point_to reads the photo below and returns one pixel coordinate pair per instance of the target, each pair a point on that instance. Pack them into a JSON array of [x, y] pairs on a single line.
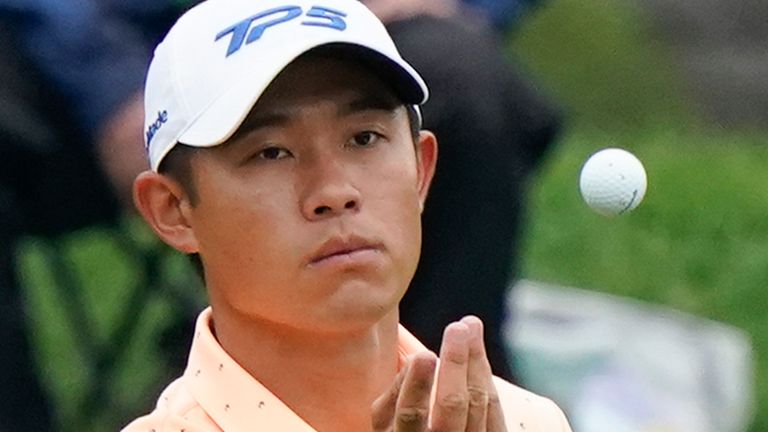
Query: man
[[285, 153]]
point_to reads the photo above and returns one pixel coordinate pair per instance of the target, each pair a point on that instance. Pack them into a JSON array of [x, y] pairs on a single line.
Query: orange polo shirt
[[216, 394]]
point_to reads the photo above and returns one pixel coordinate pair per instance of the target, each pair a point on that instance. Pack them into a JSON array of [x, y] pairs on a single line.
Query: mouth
[[345, 250]]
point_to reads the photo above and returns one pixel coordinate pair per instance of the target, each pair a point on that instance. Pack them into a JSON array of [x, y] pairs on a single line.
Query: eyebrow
[[368, 102]]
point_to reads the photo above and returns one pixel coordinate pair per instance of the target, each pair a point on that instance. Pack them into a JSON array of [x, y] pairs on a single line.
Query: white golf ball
[[613, 182]]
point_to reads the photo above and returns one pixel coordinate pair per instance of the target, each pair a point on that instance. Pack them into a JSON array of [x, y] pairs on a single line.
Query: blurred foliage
[[103, 303], [599, 58]]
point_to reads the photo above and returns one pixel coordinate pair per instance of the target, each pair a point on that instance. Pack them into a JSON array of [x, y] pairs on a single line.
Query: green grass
[[697, 243]]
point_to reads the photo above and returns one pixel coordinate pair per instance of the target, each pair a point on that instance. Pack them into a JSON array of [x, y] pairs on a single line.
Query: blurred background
[[683, 85]]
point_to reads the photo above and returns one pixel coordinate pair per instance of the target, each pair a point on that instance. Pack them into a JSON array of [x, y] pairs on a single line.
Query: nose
[[329, 192]]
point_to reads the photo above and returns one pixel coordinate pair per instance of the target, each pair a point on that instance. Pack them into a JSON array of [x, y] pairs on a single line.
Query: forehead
[[316, 81], [322, 74]]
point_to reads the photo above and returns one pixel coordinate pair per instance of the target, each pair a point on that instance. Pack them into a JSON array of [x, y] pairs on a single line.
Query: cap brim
[[219, 121]]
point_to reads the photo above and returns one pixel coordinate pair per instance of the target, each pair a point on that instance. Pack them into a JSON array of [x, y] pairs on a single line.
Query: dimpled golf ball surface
[[613, 182]]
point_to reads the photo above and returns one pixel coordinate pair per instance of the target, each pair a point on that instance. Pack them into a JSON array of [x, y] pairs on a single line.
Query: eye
[[365, 139], [273, 153]]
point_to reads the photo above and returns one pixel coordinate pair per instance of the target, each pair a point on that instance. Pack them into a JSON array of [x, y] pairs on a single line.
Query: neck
[[346, 371]]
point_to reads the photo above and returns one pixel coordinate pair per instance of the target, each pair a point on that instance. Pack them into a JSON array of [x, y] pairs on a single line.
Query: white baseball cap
[[220, 56]]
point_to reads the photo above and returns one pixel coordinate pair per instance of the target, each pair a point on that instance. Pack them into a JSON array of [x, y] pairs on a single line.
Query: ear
[[165, 206], [426, 160]]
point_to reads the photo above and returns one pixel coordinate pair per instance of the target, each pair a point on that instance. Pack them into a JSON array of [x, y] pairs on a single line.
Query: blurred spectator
[[492, 124], [49, 184], [66, 70]]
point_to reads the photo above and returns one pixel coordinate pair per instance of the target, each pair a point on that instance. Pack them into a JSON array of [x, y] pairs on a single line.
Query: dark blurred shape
[[56, 182], [493, 127]]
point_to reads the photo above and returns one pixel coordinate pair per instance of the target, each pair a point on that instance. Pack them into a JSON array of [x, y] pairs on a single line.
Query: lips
[[339, 247]]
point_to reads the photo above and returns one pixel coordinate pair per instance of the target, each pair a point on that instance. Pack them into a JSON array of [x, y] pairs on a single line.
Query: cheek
[[239, 226], [249, 255], [400, 209]]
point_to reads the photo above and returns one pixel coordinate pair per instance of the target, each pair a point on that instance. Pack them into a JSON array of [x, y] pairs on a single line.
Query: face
[[310, 215]]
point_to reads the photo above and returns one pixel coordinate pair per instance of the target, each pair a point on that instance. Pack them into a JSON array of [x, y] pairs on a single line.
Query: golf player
[[287, 158]]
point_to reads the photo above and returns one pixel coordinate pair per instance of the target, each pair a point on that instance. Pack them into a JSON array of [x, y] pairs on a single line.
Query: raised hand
[[465, 398]]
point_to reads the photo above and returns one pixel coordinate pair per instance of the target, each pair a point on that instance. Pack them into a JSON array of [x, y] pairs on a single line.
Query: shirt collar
[[237, 401]]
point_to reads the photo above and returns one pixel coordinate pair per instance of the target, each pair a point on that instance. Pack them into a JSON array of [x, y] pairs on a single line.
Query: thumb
[[383, 408]]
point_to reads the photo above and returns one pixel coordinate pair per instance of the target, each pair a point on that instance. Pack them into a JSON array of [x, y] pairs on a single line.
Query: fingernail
[[474, 323], [472, 320]]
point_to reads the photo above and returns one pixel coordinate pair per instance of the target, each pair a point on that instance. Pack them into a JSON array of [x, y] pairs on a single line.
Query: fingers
[[405, 406], [465, 398], [485, 411], [412, 408], [452, 398], [478, 376]]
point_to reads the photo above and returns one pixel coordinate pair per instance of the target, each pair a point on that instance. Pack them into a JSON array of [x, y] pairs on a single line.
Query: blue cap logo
[[317, 16]]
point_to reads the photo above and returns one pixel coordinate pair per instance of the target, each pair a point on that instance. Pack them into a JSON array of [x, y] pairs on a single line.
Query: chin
[[356, 303]]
